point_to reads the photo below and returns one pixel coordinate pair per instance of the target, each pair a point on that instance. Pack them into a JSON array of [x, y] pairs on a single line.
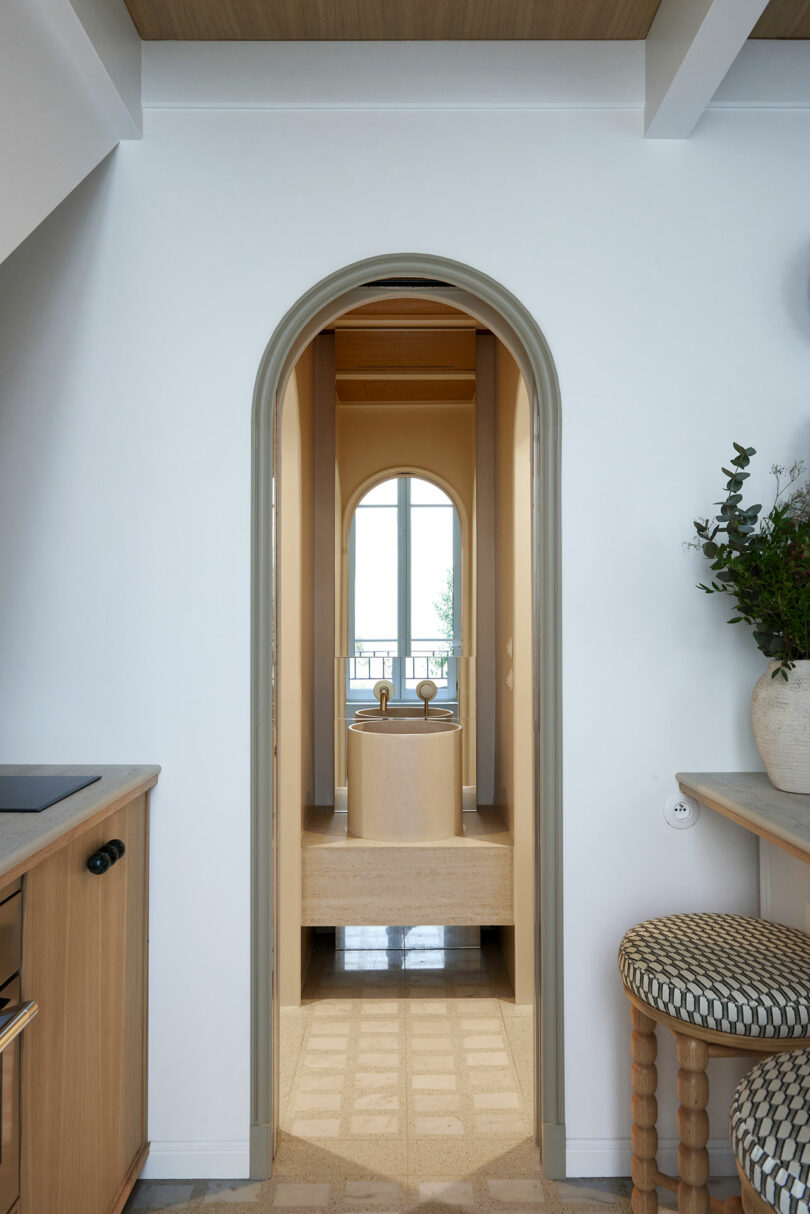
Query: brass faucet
[[426, 690], [383, 690]]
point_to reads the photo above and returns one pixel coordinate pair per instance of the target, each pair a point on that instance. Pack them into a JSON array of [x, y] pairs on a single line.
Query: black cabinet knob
[[99, 862], [103, 859]]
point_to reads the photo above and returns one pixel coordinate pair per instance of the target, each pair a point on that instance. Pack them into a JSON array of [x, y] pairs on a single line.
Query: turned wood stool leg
[[693, 1125], [645, 1114]]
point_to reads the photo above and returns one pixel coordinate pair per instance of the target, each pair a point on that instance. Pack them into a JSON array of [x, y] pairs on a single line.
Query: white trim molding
[[591, 1157], [472, 76], [200, 1160]]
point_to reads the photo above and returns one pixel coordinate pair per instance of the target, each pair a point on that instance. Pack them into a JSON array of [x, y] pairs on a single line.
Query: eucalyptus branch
[[763, 563]]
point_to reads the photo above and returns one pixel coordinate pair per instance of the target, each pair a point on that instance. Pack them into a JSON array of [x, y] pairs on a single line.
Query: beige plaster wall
[[295, 669], [513, 674]]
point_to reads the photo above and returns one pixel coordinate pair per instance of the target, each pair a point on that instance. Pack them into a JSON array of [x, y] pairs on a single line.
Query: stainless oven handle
[[20, 1017]]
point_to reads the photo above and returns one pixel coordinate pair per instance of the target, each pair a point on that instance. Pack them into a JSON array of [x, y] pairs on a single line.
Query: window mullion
[[404, 578]]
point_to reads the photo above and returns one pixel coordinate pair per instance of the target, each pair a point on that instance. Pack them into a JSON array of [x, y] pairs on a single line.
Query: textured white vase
[[780, 715]]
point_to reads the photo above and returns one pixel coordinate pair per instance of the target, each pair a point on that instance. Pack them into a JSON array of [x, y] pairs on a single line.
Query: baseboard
[[229, 1160], [611, 1157]]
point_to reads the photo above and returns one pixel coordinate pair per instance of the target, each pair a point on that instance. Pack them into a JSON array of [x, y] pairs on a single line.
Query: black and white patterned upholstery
[[770, 1130], [729, 973]]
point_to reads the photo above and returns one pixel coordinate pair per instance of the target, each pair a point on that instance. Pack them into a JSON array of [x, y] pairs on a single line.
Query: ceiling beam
[[98, 38], [690, 47]]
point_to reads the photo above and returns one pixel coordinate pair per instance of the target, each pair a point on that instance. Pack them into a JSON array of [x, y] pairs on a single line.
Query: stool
[[770, 1134], [727, 986]]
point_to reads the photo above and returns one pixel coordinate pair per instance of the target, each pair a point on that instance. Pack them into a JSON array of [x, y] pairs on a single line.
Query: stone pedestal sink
[[404, 776]]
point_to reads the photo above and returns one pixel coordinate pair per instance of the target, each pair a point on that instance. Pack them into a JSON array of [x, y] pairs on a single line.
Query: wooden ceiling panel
[[392, 352], [391, 20], [784, 19], [412, 391]]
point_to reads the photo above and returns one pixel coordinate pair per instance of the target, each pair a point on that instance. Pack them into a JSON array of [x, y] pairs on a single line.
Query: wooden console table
[[749, 799]]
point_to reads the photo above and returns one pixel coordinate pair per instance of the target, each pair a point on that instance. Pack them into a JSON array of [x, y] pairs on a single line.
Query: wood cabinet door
[[84, 1056]]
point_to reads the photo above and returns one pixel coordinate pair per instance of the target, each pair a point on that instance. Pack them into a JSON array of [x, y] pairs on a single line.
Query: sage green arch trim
[[503, 313]]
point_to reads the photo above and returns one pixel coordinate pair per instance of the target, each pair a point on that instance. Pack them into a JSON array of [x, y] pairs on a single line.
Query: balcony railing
[[431, 660]]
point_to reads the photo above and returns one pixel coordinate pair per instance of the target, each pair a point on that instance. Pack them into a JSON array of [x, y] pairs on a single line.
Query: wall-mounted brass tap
[[426, 690], [383, 690]]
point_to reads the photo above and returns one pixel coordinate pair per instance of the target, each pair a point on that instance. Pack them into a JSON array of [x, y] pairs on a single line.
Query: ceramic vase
[[780, 715]]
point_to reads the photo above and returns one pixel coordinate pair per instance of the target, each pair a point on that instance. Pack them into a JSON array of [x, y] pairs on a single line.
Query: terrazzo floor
[[405, 1086]]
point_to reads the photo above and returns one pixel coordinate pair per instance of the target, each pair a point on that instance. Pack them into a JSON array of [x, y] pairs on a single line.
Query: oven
[[14, 1016]]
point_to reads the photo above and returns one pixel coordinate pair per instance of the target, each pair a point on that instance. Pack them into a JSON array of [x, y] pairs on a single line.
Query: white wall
[[671, 282]]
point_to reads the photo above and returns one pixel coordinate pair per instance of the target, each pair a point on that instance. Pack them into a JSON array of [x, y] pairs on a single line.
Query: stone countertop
[[26, 838], [327, 827], [749, 799]]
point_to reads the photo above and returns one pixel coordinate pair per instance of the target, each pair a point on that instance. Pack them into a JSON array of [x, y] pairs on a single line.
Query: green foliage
[[443, 606], [763, 563]]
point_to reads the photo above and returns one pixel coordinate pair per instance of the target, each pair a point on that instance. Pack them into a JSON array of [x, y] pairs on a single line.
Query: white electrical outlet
[[681, 812]]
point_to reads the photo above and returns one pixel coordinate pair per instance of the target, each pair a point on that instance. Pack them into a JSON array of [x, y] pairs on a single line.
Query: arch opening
[[494, 307]]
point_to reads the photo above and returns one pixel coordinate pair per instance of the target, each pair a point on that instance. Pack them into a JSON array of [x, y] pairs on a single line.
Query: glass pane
[[384, 494], [425, 494], [431, 577], [375, 577]]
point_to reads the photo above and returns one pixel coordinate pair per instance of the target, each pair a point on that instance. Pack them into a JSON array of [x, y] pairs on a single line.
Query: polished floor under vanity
[[410, 1063]]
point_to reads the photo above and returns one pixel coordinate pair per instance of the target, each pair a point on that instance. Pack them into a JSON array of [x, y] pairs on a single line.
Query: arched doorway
[[435, 278]]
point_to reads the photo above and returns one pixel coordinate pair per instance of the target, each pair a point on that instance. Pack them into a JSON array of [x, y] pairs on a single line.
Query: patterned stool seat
[[729, 973], [770, 1131]]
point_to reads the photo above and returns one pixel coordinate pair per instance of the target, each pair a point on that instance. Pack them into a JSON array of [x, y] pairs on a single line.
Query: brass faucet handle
[[383, 690], [426, 690]]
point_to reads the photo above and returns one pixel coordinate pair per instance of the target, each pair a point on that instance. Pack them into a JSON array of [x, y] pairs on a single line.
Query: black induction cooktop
[[32, 794]]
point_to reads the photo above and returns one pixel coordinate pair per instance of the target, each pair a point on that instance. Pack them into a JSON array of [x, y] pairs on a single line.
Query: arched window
[[404, 590]]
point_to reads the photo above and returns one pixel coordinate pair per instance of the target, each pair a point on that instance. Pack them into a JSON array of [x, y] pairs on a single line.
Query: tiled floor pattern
[[406, 1086]]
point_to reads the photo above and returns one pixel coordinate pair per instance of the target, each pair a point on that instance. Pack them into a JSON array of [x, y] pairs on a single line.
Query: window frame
[[397, 674]]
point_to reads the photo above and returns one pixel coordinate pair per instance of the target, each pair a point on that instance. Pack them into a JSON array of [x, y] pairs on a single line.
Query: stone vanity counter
[[28, 838], [456, 881]]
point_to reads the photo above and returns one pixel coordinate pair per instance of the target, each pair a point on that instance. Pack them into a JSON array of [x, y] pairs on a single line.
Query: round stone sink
[[403, 712], [404, 778]]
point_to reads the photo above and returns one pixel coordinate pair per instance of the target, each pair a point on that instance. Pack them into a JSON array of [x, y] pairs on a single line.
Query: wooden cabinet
[[83, 1127]]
